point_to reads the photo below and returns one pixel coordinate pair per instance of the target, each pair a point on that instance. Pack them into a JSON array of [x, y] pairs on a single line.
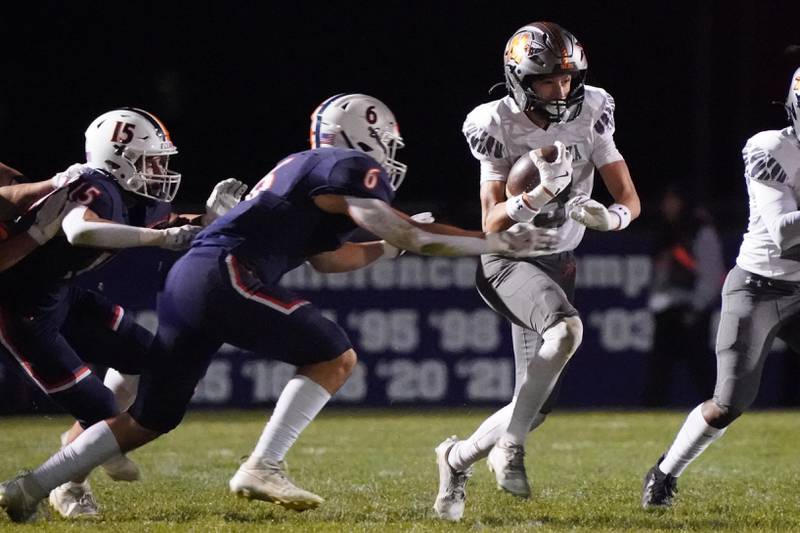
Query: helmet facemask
[[389, 142], [152, 177], [553, 110]]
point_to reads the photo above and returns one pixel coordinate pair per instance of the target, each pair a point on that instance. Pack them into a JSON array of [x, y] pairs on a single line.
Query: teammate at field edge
[[761, 296], [548, 103]]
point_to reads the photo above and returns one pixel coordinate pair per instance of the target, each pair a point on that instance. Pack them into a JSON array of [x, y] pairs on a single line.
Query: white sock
[[477, 446], [300, 401], [74, 462], [540, 378], [466, 452], [692, 439]]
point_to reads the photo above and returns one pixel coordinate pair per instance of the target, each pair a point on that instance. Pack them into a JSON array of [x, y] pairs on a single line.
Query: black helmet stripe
[[160, 131]]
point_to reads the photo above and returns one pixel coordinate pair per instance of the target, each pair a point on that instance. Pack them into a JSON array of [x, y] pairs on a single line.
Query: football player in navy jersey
[[225, 290], [52, 327]]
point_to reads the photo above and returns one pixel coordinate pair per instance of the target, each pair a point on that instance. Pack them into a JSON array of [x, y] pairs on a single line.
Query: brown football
[[524, 175]]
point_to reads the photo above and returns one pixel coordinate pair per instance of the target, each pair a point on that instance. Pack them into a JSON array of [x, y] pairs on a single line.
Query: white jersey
[[498, 133], [772, 172]]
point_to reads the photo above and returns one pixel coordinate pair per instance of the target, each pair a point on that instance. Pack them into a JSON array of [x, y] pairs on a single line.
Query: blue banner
[[425, 338]]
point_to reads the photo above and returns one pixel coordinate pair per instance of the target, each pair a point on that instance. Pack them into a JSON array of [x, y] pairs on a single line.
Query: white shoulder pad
[[483, 132], [772, 155], [600, 106]]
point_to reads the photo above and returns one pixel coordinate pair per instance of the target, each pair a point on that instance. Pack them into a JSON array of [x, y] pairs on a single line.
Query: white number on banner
[[380, 331], [460, 330], [620, 329], [268, 378], [487, 379], [355, 389], [409, 380]]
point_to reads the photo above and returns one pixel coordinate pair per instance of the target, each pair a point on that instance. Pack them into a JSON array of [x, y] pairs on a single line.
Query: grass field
[[377, 471]]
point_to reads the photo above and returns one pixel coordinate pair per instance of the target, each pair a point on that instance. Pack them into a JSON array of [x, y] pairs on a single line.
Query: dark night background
[[236, 82]]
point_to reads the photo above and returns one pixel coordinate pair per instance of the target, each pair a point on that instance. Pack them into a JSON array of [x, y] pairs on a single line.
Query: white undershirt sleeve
[[82, 232], [494, 170]]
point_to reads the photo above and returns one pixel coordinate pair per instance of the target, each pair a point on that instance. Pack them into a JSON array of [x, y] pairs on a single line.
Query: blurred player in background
[[225, 289], [548, 103], [761, 295], [688, 270], [50, 326]]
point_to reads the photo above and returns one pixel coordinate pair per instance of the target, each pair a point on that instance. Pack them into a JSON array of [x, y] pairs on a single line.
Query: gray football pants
[[754, 309], [533, 294]]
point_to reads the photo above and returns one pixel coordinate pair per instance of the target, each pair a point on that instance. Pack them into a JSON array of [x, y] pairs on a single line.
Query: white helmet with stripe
[[360, 122], [134, 146]]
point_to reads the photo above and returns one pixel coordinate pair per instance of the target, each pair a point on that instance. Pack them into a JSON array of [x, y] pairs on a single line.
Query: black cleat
[[658, 488]]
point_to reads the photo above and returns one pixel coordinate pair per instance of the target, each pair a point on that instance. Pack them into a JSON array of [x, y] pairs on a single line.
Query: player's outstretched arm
[[352, 255], [377, 217], [83, 227]]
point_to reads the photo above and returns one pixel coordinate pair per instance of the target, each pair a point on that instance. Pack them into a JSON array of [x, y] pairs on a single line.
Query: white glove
[[523, 240], [591, 213], [65, 177], [555, 176], [51, 211], [224, 197], [391, 251], [180, 237]]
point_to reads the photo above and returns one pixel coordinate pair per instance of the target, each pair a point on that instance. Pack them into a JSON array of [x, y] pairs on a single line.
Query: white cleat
[[122, 468], [507, 461], [17, 502], [267, 481], [74, 500], [452, 496]]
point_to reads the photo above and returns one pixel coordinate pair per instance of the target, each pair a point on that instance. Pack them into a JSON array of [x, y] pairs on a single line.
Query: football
[[524, 175]]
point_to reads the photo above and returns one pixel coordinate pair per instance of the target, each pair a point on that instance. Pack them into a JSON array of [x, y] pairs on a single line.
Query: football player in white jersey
[[760, 297], [548, 103]]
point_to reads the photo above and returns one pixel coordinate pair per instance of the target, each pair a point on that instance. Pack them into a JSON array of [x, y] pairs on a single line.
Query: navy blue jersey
[[279, 226], [57, 259]]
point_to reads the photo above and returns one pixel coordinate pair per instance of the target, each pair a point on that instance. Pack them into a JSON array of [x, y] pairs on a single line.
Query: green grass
[[377, 471]]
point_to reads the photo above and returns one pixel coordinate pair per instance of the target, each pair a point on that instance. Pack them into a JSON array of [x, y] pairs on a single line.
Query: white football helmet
[[360, 122], [793, 103], [134, 146]]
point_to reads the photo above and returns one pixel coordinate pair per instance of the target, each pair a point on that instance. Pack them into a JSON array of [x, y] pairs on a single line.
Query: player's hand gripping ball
[[524, 175]]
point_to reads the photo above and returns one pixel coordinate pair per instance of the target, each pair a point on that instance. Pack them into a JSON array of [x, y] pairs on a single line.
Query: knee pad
[[566, 335]]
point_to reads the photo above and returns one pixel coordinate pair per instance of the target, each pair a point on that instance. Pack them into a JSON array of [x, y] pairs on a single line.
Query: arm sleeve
[[379, 218], [109, 235], [494, 170]]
